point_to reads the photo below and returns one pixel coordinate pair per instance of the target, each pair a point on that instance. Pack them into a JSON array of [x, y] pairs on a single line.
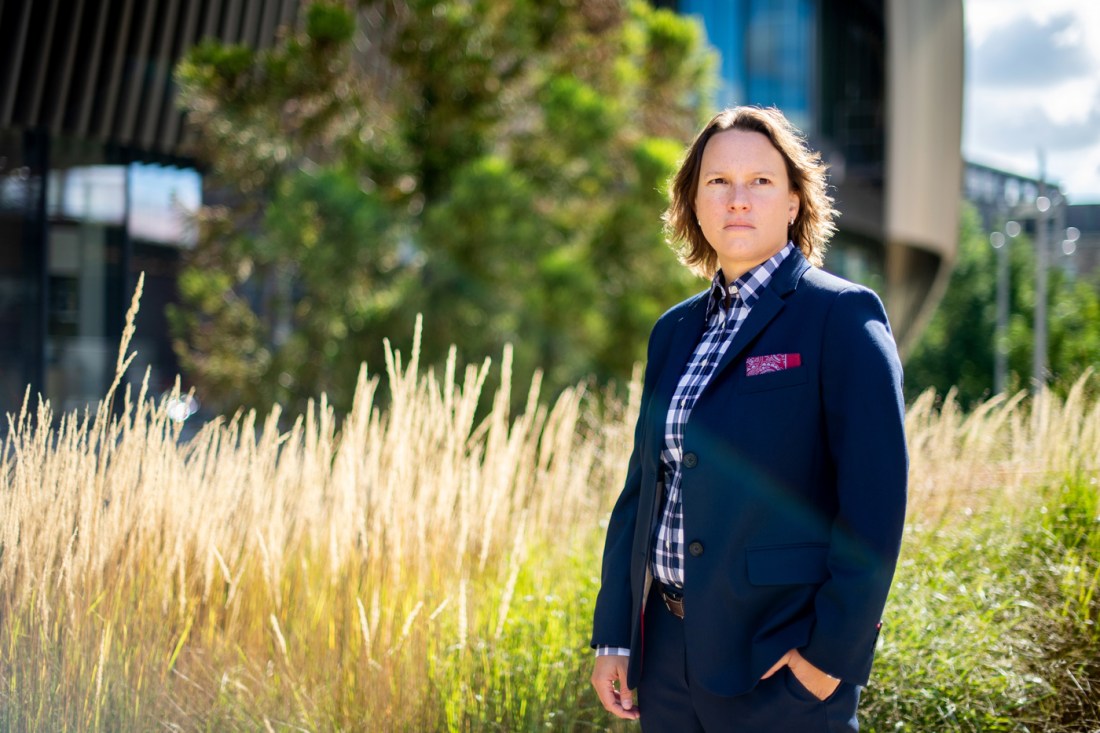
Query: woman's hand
[[820, 684], [619, 700]]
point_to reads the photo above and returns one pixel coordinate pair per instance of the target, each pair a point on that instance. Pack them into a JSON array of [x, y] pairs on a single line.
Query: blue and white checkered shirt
[[727, 309]]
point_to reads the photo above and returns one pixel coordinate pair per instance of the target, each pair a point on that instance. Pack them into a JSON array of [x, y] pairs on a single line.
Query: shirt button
[[696, 549], [690, 460], [734, 290]]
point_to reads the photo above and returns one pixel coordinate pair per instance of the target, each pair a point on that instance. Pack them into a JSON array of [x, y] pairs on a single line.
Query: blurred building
[[1001, 197], [877, 85], [1085, 251], [95, 186]]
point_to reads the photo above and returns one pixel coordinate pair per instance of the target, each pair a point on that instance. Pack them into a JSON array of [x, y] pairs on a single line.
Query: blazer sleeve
[[864, 415], [612, 616]]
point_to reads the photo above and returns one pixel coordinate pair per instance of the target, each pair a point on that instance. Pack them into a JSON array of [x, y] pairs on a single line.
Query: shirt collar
[[748, 287]]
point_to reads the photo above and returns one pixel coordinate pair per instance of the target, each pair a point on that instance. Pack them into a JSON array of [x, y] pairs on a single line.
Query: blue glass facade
[[781, 48], [725, 21], [767, 50], [79, 222]]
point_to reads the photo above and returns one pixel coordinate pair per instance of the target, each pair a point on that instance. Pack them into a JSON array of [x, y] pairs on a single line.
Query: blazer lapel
[[771, 302], [686, 333]]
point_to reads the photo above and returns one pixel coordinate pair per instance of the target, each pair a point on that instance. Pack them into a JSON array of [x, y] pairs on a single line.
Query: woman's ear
[[792, 208]]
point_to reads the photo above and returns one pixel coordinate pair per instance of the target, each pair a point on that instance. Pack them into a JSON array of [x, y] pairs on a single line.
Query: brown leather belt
[[673, 598]]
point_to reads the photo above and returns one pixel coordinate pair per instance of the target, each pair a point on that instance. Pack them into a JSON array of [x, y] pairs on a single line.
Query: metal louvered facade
[[102, 69], [94, 171]]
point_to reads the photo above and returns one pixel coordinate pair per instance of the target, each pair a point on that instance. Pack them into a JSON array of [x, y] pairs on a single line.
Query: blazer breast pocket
[[802, 564], [774, 380]]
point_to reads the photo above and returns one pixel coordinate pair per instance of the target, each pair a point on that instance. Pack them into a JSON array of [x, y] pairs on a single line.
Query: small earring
[[791, 222]]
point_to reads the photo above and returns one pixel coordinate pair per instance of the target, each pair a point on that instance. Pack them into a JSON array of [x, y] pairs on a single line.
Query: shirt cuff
[[606, 651]]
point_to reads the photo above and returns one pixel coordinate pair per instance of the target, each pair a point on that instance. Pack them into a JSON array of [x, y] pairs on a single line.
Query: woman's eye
[[717, 181], [762, 181]]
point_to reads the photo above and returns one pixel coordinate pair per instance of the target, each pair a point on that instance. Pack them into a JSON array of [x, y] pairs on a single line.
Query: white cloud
[[1033, 83], [1004, 124], [1027, 52]]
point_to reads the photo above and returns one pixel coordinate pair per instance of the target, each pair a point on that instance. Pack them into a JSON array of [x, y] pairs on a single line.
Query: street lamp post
[[1000, 338], [1039, 353], [1000, 355], [1043, 210]]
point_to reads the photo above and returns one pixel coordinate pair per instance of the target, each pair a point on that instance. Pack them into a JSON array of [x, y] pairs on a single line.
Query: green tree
[[956, 350], [498, 167]]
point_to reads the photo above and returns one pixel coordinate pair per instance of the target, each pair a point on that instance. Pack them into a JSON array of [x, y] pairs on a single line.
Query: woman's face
[[743, 200]]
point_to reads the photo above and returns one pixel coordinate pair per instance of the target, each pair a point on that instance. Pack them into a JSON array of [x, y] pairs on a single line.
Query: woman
[[749, 556]]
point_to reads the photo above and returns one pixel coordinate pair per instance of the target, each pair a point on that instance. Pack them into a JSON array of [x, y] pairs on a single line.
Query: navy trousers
[[669, 702]]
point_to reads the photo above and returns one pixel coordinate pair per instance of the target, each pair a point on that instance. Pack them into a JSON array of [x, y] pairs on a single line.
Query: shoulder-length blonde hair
[[813, 225]]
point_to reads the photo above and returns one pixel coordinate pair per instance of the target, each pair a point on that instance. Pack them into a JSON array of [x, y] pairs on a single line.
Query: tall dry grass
[[424, 566], [299, 570], [1001, 451]]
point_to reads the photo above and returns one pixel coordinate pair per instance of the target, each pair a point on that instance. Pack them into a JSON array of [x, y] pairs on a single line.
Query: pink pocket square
[[757, 365]]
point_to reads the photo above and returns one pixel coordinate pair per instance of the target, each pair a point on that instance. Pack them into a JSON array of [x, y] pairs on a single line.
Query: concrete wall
[[923, 159]]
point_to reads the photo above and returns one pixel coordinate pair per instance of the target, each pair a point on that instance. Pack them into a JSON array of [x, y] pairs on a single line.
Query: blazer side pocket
[[788, 564]]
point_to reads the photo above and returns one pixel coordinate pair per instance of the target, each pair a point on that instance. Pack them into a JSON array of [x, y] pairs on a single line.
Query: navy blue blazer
[[795, 494]]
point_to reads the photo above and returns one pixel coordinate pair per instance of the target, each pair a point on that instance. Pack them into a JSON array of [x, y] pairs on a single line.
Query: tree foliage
[[497, 167], [957, 348]]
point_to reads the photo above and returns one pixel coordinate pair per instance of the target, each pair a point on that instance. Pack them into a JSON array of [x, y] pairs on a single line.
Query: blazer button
[[690, 460], [696, 549]]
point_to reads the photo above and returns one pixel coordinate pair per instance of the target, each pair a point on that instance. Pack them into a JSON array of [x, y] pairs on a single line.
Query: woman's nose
[[738, 197]]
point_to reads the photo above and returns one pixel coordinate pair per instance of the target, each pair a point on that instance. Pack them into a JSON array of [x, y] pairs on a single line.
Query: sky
[[1033, 82]]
